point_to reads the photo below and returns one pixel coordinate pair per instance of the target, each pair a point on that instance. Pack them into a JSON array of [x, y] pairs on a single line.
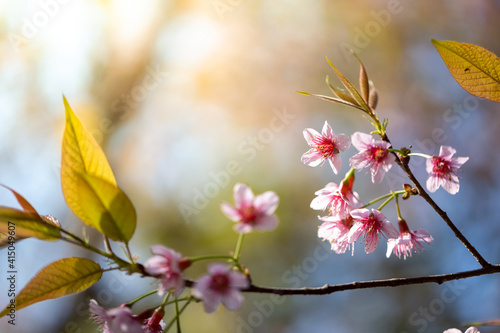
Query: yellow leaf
[[80, 155], [63, 277], [476, 69], [104, 206], [25, 224], [89, 186]]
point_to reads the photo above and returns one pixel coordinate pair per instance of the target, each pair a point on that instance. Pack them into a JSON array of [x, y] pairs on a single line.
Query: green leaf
[[63, 277], [26, 224], [104, 206], [476, 69], [89, 186]]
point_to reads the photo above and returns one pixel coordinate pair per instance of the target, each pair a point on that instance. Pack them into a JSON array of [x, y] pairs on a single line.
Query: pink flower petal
[[343, 142], [327, 131], [266, 203], [243, 196], [233, 300], [310, 135], [361, 141], [312, 158], [335, 163], [266, 222], [231, 213]]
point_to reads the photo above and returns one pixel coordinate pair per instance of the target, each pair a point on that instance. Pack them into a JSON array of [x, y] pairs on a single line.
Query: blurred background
[[188, 98]]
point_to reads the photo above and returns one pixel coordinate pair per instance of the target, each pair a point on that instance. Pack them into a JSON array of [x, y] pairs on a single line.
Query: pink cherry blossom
[[373, 154], [117, 320], [340, 200], [471, 329], [443, 169], [407, 241], [371, 224], [220, 285], [250, 211], [325, 146], [166, 265], [336, 230]]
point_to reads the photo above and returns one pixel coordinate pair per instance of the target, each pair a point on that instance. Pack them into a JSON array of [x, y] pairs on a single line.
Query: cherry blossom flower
[[471, 329], [336, 230], [407, 241], [373, 154], [251, 212], [220, 285], [325, 146], [168, 266], [117, 320], [340, 200], [442, 170], [371, 225]]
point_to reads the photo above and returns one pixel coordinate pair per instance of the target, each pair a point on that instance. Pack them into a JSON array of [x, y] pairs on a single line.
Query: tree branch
[[394, 282]]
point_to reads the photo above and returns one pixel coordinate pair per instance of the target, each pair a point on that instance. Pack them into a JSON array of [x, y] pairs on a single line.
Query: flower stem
[[236, 255], [397, 208], [211, 257], [383, 197], [178, 313], [177, 316], [132, 302]]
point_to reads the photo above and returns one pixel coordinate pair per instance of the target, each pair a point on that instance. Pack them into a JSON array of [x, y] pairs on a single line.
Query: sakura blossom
[[220, 285], [251, 212], [324, 146], [407, 241], [336, 230], [373, 154], [340, 200], [371, 224], [166, 265], [443, 169], [471, 329], [117, 320]]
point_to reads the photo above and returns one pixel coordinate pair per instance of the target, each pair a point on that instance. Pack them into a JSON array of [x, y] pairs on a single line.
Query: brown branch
[[394, 282]]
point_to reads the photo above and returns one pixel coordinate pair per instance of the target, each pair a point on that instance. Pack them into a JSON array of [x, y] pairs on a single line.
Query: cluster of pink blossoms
[[346, 221], [221, 285], [377, 156]]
